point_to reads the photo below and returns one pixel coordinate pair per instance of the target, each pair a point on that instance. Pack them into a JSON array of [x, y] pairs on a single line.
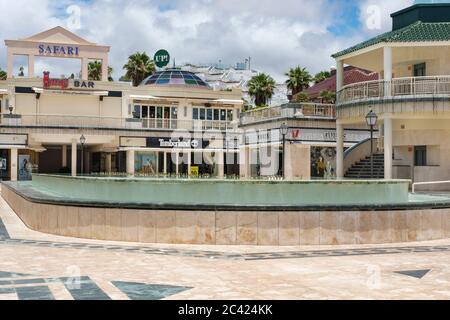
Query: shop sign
[[81, 84], [57, 50], [162, 58], [54, 83], [194, 171], [171, 143], [13, 139], [323, 135]]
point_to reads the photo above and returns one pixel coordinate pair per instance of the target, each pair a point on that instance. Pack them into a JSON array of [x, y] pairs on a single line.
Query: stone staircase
[[361, 170]]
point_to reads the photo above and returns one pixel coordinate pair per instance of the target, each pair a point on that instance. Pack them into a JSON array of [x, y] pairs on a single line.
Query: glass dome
[[174, 77]]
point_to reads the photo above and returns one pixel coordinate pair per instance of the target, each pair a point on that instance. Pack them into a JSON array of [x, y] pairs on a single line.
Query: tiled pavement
[[40, 266]]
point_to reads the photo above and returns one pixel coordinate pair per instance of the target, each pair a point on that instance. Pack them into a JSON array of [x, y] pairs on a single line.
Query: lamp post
[[284, 131], [371, 120], [82, 141]]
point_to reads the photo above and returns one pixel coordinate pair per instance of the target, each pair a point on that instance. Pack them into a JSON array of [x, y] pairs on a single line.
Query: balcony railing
[[399, 87], [290, 110], [69, 121]]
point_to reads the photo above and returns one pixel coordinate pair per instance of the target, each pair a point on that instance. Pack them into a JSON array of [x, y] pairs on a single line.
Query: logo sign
[[162, 58], [54, 83], [56, 50], [81, 84], [180, 143]]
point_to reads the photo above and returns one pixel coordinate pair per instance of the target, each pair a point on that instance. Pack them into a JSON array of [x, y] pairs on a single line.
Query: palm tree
[[322, 75], [3, 75], [298, 80], [261, 87], [95, 71], [328, 96], [301, 97], [139, 67]]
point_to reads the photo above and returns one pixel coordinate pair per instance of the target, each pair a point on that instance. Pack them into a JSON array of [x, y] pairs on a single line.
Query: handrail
[[405, 86], [289, 110], [83, 121], [427, 183], [356, 146]]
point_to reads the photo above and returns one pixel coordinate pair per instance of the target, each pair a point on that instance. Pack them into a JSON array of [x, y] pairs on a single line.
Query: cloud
[[276, 34]]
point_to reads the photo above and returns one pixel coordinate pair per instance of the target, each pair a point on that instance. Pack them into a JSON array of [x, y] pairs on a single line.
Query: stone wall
[[232, 228]]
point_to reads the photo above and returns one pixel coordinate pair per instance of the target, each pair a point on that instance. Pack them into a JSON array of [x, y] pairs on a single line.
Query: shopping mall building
[[412, 99], [173, 123]]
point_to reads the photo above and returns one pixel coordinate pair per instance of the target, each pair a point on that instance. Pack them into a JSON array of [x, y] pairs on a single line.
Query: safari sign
[[162, 58]]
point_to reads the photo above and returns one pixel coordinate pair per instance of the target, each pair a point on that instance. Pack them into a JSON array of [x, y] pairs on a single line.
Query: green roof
[[416, 32]]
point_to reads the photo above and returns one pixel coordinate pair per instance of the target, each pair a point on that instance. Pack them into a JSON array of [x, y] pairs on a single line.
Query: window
[[230, 115], [209, 114], [216, 114], [420, 70], [223, 115], [202, 114], [420, 156], [137, 112], [144, 112], [195, 114]]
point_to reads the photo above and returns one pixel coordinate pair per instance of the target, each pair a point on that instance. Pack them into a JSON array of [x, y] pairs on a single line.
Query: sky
[[276, 34]]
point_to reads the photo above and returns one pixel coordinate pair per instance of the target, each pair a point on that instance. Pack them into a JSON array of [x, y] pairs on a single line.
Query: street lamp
[[371, 120], [82, 141], [284, 131]]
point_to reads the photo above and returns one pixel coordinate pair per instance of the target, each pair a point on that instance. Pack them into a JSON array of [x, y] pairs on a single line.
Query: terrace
[[289, 111]]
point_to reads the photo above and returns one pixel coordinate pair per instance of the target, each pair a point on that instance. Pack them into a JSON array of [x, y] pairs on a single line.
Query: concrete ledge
[[275, 228]]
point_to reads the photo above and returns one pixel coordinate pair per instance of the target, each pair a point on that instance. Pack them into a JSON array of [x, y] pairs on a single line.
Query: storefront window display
[[323, 162], [146, 163]]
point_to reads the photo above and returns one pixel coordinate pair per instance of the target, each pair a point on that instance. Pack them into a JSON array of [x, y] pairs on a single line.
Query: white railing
[[399, 87], [290, 110], [69, 121], [417, 184]]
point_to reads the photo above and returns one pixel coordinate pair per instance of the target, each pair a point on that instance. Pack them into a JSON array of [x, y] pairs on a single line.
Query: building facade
[[411, 99], [173, 123]]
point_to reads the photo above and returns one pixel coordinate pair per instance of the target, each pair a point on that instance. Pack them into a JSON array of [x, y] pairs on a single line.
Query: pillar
[[30, 66], [221, 164], [10, 65], [84, 69], [387, 62], [74, 158], [64, 156], [130, 162], [339, 75], [108, 163], [14, 156], [340, 151], [243, 162], [388, 147], [105, 69], [165, 162]]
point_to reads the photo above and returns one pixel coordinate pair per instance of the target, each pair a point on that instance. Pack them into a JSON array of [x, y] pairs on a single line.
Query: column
[[105, 69], [74, 158], [243, 162], [14, 155], [108, 163], [339, 75], [189, 160], [64, 156], [340, 151], [10, 65], [387, 57], [388, 147], [221, 164], [177, 161], [130, 162], [84, 69], [30, 66], [165, 162]]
